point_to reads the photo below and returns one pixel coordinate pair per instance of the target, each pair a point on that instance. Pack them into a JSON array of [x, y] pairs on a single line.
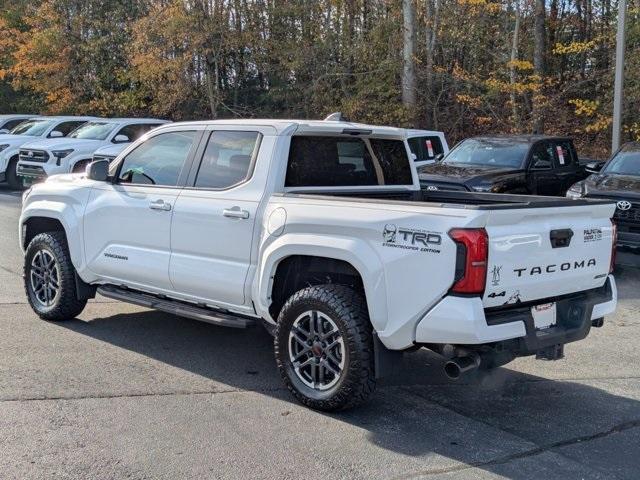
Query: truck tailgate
[[541, 253]]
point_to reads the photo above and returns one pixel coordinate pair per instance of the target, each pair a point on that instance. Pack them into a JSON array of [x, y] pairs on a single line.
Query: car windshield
[[93, 131], [626, 162], [488, 152], [35, 128]]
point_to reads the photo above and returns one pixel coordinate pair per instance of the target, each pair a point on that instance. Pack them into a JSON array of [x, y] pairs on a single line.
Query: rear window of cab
[[325, 161]]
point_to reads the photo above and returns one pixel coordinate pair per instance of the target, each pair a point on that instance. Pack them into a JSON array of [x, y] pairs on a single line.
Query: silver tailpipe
[[457, 366]]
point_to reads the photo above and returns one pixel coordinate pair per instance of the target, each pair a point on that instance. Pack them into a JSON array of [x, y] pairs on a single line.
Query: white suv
[[72, 154], [27, 131]]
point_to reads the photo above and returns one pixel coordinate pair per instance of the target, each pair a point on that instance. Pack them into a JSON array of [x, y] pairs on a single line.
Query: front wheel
[[13, 180], [49, 278], [324, 347]]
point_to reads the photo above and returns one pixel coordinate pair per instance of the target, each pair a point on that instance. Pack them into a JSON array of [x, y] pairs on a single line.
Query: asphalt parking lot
[[124, 392]]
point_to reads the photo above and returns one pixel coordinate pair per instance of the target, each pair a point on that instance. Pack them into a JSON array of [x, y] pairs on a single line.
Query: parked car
[[28, 131], [427, 145], [617, 180], [9, 121], [521, 164], [321, 231], [41, 159]]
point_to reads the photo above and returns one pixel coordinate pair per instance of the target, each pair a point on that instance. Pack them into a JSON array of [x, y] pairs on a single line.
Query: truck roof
[[289, 127]]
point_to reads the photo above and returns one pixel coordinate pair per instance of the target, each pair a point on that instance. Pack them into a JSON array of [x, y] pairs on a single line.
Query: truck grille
[[34, 156], [631, 215]]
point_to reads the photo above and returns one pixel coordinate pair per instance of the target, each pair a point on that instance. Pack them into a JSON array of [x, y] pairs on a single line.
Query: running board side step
[[176, 307]]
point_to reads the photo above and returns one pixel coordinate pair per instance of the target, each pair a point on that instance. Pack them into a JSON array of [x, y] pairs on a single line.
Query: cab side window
[[135, 131], [563, 154], [67, 127], [227, 159], [159, 160], [425, 148], [542, 156], [10, 124]]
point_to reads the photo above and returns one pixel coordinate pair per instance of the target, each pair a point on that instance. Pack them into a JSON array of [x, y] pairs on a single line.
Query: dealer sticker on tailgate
[[544, 316]]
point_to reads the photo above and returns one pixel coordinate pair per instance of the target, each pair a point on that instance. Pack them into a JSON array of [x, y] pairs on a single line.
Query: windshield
[[93, 131], [626, 162], [493, 152], [35, 128]]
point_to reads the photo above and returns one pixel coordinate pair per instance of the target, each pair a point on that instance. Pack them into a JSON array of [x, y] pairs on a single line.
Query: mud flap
[[385, 361]]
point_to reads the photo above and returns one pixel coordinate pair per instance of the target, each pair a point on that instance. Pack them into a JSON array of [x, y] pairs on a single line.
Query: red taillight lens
[[471, 268], [614, 239]]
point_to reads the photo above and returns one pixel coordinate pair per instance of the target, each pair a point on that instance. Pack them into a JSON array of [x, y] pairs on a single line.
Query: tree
[[409, 83]]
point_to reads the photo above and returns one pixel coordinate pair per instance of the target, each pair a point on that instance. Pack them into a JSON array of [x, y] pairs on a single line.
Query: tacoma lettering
[[552, 268]]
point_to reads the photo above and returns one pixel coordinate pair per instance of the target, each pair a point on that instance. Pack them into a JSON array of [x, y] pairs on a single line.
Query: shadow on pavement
[[407, 415]]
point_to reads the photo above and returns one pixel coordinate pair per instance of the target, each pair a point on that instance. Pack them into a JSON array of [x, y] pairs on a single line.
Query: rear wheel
[[49, 278], [324, 347], [13, 180]]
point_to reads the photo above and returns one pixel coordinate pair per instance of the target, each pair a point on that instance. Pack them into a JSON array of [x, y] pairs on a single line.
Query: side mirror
[[594, 167], [98, 170], [438, 157], [121, 139], [4, 130], [56, 134]]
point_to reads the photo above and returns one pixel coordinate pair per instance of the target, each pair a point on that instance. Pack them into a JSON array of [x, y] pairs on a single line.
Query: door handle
[[160, 205], [235, 212]]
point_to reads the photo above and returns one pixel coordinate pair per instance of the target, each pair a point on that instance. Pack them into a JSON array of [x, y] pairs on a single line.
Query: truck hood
[[15, 140], [613, 186], [441, 172], [111, 150], [65, 143]]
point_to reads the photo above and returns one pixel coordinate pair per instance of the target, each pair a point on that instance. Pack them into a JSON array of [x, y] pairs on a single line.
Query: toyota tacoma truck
[[320, 231], [520, 164]]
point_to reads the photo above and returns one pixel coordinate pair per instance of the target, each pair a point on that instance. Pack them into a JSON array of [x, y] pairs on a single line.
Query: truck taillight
[[471, 264], [614, 240]]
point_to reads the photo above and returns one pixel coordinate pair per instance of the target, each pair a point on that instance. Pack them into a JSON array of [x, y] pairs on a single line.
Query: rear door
[[215, 216], [540, 253]]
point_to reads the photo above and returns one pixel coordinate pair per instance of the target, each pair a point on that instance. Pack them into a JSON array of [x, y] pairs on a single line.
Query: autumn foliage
[[185, 59]]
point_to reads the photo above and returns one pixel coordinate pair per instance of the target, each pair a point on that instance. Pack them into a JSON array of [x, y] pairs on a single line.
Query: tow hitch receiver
[[553, 352]]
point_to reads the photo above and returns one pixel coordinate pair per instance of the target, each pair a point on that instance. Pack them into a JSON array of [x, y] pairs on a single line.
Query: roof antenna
[[336, 117]]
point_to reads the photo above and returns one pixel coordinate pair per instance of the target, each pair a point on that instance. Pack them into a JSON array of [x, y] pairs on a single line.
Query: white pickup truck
[[320, 231]]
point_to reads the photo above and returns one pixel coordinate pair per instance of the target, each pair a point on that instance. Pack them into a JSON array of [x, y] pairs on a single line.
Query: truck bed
[[456, 199]]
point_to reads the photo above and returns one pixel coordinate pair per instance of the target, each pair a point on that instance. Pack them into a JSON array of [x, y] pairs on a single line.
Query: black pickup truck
[[523, 164], [617, 180]]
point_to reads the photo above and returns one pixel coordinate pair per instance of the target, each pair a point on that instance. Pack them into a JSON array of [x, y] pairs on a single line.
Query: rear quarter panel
[[402, 252]]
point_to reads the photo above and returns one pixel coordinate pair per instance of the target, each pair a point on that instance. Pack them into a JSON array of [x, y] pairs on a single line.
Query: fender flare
[[366, 262], [67, 218]]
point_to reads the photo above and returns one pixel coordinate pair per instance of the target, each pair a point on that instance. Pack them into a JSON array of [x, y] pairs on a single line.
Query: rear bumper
[[464, 321]]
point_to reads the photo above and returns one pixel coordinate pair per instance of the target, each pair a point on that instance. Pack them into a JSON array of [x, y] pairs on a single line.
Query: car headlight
[[485, 188], [577, 190], [4, 146], [61, 153]]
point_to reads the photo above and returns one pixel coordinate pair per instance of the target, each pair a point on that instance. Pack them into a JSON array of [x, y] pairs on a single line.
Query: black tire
[[13, 180], [347, 310], [65, 304]]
